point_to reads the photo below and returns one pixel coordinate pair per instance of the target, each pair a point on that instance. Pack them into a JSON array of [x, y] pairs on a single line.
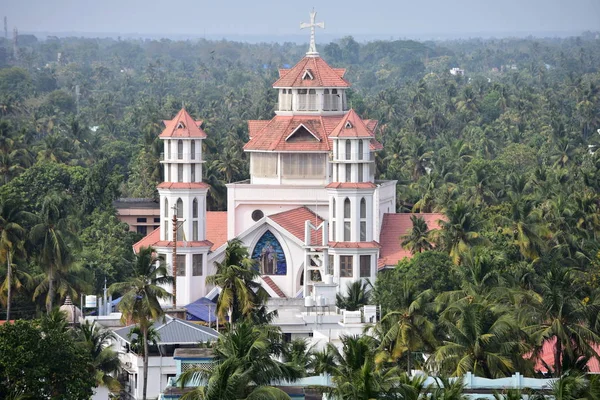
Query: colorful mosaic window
[[269, 255]]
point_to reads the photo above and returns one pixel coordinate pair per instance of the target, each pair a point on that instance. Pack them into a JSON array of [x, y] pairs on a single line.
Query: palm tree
[[95, 341], [357, 295], [417, 239], [245, 364], [141, 295], [480, 338], [459, 232], [560, 315], [407, 329], [235, 276], [12, 236], [52, 236]]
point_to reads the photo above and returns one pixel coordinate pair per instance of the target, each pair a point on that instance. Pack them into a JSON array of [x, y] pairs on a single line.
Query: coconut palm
[[12, 236], [141, 294], [408, 329], [459, 232], [245, 364], [417, 238], [52, 236], [95, 341], [235, 276], [357, 295]]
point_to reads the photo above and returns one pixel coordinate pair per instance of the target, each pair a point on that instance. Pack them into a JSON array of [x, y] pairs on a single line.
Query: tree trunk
[[9, 291], [145, 363], [557, 360], [51, 291], [408, 366]]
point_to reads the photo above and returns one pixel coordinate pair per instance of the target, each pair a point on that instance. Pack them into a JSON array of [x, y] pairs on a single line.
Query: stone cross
[[312, 50]]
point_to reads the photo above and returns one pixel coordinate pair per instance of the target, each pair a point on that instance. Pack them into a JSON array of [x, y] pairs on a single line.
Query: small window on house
[[307, 75], [142, 229], [166, 213], [347, 208], [348, 173], [360, 149], [348, 125], [193, 150], [180, 149], [156, 219], [179, 208], [180, 125], [180, 264], [179, 172], [195, 208], [197, 265], [330, 265], [195, 231], [346, 266], [347, 231], [333, 208], [365, 266], [193, 173], [257, 215], [348, 149], [363, 208], [141, 220]]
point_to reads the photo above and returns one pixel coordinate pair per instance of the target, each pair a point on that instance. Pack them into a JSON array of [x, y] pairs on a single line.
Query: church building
[[312, 214]]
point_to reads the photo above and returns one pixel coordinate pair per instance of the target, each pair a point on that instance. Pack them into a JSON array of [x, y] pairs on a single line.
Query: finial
[[312, 50]]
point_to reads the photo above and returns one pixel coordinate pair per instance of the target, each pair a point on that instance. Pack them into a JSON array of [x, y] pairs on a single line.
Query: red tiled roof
[[273, 286], [183, 185], [354, 245], [546, 357], [395, 225], [293, 222], [2, 322], [323, 75], [216, 234], [351, 185], [183, 126], [351, 126], [271, 135], [216, 228], [371, 124]]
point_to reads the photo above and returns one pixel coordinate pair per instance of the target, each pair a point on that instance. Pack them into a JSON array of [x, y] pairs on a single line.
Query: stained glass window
[[269, 255]]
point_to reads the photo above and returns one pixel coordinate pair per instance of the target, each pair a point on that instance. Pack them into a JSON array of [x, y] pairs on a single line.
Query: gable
[[302, 134]]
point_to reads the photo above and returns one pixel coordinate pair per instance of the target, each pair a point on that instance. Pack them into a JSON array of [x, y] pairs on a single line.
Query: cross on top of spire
[[312, 50]]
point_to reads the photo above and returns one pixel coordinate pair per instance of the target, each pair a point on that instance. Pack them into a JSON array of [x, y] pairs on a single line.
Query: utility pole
[[174, 261], [16, 43]]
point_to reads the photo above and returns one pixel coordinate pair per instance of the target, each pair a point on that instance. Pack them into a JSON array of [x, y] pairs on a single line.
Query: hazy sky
[[279, 17]]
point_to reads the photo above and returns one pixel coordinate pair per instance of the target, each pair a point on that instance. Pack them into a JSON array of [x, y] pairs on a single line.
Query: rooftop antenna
[[312, 50]]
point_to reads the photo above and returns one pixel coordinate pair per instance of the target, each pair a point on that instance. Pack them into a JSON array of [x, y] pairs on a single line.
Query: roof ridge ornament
[[312, 50]]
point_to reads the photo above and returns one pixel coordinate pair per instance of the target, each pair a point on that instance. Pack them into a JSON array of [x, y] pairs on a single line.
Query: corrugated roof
[[322, 75], [175, 331], [202, 309], [393, 227]]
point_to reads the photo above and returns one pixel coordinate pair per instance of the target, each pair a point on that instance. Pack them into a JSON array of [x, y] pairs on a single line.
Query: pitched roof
[[202, 309], [274, 135], [216, 234], [273, 286], [183, 185], [322, 75], [293, 222], [183, 126], [175, 331], [395, 225], [546, 358], [351, 126]]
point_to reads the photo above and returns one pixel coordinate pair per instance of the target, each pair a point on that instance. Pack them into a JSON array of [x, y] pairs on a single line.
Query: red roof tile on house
[[395, 225], [274, 135], [351, 126], [293, 222], [354, 245], [216, 228], [2, 322], [351, 185], [216, 234], [322, 75], [273, 285], [183, 185], [183, 126], [546, 357]]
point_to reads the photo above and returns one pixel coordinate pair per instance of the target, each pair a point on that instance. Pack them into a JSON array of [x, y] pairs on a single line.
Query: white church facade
[[312, 214]]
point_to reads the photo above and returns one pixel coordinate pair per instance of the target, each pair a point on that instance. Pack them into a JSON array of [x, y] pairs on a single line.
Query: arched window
[[269, 255], [348, 149], [360, 149], [195, 210], [195, 220], [333, 211], [166, 213], [348, 173], [180, 149], [179, 208], [169, 155], [347, 208], [193, 150], [347, 223], [335, 99], [363, 220], [326, 100]]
